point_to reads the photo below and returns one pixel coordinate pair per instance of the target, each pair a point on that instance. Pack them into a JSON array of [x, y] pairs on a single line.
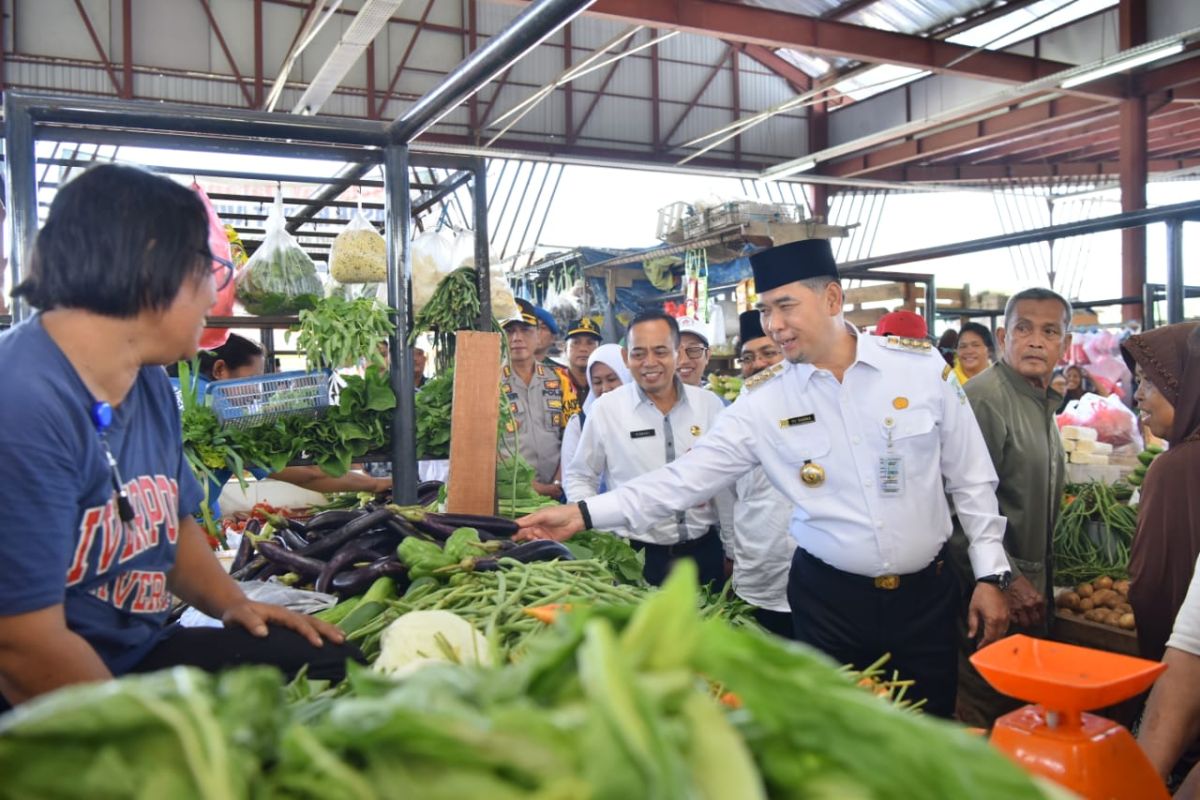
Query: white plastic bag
[[279, 278], [431, 258], [359, 253], [504, 305]]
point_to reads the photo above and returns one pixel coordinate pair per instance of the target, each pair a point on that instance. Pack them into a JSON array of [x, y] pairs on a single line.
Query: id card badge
[[891, 476]]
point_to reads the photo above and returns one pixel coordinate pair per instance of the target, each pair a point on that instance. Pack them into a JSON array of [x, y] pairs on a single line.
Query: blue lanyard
[[102, 418]]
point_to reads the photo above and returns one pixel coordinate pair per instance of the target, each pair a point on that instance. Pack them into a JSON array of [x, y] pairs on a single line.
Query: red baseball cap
[[902, 323]]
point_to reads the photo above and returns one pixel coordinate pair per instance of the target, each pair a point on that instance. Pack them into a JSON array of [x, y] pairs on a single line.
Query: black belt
[[887, 583]]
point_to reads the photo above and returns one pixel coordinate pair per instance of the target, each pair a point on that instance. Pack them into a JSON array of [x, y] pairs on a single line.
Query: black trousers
[[705, 551], [854, 622], [214, 649], [776, 622]]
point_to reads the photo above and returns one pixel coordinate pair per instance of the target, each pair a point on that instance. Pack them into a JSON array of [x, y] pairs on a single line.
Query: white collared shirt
[[626, 437], [761, 546], [892, 402]]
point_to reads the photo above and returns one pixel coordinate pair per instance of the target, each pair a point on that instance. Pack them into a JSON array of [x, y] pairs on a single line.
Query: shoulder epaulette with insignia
[[757, 380], [905, 343]]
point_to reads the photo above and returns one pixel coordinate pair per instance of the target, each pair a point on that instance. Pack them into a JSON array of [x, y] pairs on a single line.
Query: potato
[[1110, 599], [1126, 621], [1066, 612], [1113, 618], [1067, 600], [1096, 615], [1124, 608], [1085, 604], [1122, 587], [1100, 597], [1103, 582], [1084, 590]]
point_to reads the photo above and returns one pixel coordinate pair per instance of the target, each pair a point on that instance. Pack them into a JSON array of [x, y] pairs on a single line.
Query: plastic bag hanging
[[279, 278], [359, 253], [219, 246]]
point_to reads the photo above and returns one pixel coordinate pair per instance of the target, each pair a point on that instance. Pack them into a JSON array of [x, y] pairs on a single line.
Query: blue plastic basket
[[246, 402]]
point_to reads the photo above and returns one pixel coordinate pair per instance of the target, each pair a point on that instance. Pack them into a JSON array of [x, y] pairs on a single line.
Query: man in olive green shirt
[[1015, 408]]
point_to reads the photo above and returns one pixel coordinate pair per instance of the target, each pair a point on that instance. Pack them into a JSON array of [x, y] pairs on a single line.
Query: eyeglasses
[[749, 356], [695, 351], [222, 278]]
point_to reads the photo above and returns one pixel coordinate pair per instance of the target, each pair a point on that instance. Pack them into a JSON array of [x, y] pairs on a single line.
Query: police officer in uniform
[[541, 401], [583, 337], [865, 436]]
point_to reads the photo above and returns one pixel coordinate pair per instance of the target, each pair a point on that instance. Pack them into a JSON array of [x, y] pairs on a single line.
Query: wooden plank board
[[473, 424], [1076, 630]]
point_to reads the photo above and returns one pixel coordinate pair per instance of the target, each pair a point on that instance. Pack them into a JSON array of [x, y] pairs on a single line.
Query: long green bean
[[1077, 558]]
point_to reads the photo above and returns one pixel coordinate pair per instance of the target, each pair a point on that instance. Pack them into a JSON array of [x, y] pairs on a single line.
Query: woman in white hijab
[[606, 371]]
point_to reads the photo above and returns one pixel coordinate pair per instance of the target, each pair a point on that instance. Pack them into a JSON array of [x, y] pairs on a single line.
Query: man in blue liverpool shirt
[[96, 499]]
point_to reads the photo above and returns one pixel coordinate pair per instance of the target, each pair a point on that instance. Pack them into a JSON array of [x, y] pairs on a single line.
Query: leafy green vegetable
[[453, 307], [337, 332], [279, 278], [434, 404], [625, 563], [611, 701]]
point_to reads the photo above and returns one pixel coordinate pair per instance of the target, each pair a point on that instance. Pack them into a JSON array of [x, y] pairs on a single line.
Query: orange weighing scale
[[1055, 737]]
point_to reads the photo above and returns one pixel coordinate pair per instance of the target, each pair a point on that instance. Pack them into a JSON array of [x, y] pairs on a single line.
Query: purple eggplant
[[356, 581], [498, 526], [539, 550], [350, 553], [290, 561], [249, 570], [245, 552], [359, 525], [292, 540], [333, 519]]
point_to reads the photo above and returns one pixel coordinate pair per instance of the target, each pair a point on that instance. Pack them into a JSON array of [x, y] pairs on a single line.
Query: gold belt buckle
[[888, 582]]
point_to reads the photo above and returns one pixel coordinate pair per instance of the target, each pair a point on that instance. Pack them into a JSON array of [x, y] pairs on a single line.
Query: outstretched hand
[[255, 617], [556, 522]]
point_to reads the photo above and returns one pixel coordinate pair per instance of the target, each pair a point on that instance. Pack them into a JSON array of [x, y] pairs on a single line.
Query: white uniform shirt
[[1185, 635], [762, 546], [626, 437], [889, 394]]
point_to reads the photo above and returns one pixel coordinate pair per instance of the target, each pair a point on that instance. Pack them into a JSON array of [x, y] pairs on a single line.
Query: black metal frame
[[167, 125], [27, 116], [1173, 215]]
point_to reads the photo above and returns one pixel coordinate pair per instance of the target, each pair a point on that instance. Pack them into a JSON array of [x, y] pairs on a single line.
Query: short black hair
[[980, 331], [237, 352], [655, 315], [118, 241], [1038, 293]]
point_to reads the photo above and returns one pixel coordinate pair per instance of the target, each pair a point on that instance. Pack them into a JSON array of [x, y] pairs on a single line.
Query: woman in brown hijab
[[1166, 362]]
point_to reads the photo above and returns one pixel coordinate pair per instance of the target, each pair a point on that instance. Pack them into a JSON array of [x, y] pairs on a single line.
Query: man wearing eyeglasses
[[641, 426], [693, 351], [761, 546]]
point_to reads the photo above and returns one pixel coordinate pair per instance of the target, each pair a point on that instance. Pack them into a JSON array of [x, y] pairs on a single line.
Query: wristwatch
[[1001, 580]]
